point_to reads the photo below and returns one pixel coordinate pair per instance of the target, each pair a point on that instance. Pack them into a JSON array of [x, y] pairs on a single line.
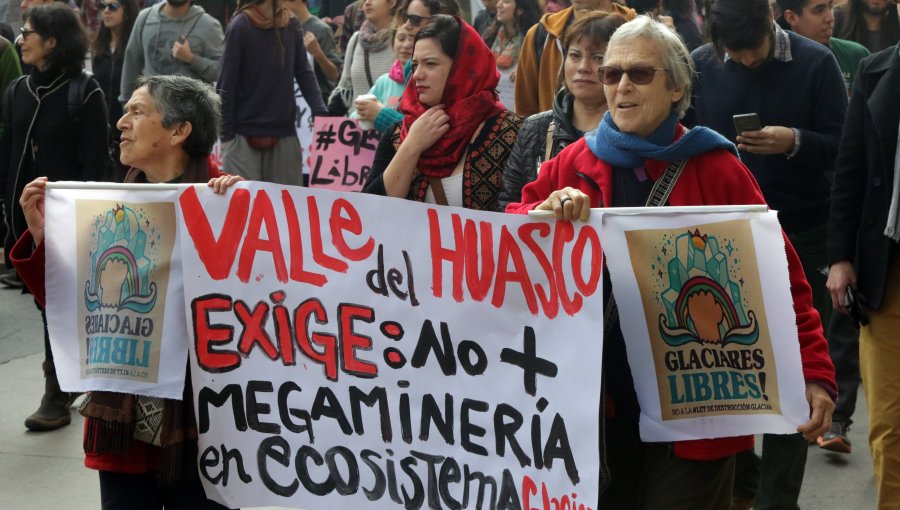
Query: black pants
[[648, 476], [122, 491], [843, 344]]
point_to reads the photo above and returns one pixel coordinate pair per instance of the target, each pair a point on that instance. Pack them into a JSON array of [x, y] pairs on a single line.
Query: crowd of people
[[790, 103]]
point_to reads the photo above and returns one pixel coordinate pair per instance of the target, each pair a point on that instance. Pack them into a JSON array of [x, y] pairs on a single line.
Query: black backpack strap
[[77, 90], [8, 95], [540, 39]]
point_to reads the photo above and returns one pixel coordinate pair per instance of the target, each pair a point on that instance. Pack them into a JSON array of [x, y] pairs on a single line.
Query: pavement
[[40, 471]]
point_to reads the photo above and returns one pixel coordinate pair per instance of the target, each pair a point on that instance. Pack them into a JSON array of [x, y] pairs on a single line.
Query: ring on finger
[[563, 200]]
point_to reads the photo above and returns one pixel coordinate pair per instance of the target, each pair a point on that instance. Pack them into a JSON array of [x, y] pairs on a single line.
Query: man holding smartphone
[[797, 91]]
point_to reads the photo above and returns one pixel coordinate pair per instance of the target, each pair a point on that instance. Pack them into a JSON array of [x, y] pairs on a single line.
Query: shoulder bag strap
[[551, 130], [659, 195], [368, 70], [437, 187]]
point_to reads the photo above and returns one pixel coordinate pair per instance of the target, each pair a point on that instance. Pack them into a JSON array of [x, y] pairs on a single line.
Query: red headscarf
[[469, 98]]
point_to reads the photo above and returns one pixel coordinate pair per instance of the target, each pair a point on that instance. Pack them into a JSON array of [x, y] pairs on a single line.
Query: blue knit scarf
[[629, 151]]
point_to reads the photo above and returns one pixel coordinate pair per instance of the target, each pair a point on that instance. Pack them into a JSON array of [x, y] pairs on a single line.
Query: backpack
[[77, 89]]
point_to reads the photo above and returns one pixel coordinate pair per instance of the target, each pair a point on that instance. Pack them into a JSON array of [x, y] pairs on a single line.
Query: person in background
[[814, 19], [45, 136], [537, 76], [647, 80], [578, 108], [264, 54], [184, 114], [863, 235], [413, 17], [172, 37], [687, 23], [388, 87], [486, 17], [504, 37], [10, 69], [454, 139], [369, 55], [107, 56], [873, 23], [319, 41]]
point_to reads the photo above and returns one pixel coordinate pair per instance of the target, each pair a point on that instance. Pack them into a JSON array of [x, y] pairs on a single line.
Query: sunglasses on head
[[415, 20], [25, 32], [639, 75], [112, 6]]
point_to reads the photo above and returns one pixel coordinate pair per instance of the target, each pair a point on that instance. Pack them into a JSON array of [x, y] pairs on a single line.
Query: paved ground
[[45, 471]]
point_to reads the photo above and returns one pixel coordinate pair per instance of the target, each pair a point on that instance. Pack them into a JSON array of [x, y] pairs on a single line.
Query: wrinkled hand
[[768, 140], [577, 207], [221, 183], [311, 44], [428, 128], [368, 110], [840, 275], [32, 203], [667, 21], [706, 313], [820, 409], [182, 51]]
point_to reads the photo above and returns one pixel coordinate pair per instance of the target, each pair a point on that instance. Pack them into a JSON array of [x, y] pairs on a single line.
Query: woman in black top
[[107, 55], [57, 127]]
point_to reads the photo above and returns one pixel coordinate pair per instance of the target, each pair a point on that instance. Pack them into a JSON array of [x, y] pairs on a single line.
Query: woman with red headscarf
[[452, 144]]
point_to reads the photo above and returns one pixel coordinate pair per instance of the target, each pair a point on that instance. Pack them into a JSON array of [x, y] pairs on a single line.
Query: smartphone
[[746, 122]]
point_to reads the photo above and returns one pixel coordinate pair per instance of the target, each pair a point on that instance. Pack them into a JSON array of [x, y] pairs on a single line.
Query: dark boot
[[54, 410]]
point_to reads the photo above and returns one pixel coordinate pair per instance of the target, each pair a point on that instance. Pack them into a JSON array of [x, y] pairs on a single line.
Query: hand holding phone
[[746, 122], [854, 302]]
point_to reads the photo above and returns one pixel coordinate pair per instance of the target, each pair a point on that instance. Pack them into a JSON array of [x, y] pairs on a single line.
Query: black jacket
[[530, 148], [864, 175], [44, 140]]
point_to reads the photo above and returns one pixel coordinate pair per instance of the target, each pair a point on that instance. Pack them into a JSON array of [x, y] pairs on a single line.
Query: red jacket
[[713, 178]]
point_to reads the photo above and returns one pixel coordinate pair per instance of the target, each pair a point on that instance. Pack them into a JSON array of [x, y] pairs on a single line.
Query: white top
[[453, 188]]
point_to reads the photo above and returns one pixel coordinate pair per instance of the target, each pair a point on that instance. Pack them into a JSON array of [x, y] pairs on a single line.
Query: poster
[[115, 255], [341, 155], [705, 306], [354, 351]]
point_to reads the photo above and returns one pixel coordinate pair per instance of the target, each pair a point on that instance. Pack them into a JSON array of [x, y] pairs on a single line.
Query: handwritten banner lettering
[[341, 154], [339, 361]]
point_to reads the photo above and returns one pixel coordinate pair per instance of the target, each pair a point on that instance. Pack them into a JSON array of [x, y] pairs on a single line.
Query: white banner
[[113, 264], [352, 351], [705, 307]]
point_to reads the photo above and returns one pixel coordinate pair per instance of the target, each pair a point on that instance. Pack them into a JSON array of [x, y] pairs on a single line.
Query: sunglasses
[[639, 75], [112, 6], [415, 20], [25, 32]]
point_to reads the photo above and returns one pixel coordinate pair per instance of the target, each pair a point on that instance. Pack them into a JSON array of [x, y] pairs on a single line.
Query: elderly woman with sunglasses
[[647, 82]]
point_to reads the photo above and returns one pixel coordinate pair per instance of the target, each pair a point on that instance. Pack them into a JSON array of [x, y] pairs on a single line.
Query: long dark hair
[[246, 4], [104, 34], [681, 9], [531, 14], [855, 26], [58, 21]]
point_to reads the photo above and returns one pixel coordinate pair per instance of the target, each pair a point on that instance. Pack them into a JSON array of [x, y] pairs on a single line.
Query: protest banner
[[341, 154], [506, 88], [113, 267], [354, 351], [705, 307]]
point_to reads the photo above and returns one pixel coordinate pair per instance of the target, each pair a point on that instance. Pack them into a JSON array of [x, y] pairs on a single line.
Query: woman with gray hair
[[638, 153], [168, 130]]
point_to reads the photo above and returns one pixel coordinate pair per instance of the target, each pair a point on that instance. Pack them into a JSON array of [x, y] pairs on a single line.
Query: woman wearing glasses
[[107, 54], [455, 136], [577, 109], [647, 80], [369, 54], [50, 135], [413, 18]]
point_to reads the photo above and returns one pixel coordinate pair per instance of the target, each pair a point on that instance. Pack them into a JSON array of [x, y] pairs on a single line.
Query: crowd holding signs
[[344, 352]]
